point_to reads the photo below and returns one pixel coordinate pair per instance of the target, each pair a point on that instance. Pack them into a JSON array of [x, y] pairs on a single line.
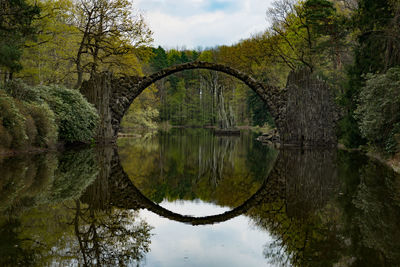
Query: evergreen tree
[[16, 17], [372, 20]]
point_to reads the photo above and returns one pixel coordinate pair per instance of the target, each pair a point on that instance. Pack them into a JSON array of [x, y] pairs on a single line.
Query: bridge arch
[[123, 91], [304, 111], [270, 95]]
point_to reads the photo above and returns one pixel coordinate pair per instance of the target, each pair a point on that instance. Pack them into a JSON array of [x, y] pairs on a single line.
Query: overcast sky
[[203, 23]]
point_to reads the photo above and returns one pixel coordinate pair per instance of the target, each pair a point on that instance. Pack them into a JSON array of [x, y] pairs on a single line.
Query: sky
[[196, 24]]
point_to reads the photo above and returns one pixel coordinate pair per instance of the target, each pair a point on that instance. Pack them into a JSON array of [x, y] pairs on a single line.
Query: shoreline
[[59, 147], [27, 151], [392, 162]]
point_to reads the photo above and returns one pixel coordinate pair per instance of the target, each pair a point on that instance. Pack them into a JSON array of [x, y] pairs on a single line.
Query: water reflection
[[313, 207], [351, 221], [195, 164], [43, 222]]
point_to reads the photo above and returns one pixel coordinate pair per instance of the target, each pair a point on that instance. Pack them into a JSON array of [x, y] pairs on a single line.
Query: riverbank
[[393, 161], [58, 147], [29, 151]]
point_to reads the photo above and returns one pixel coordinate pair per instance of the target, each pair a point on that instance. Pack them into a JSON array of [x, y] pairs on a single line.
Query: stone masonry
[[304, 111]]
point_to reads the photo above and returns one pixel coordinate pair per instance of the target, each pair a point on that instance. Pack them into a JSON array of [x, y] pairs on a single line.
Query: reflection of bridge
[[305, 179], [124, 194], [303, 112], [293, 205]]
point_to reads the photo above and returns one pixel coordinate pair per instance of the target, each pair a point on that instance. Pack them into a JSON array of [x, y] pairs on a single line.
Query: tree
[[109, 28], [291, 38], [47, 59], [306, 33], [376, 51], [379, 109], [16, 17]]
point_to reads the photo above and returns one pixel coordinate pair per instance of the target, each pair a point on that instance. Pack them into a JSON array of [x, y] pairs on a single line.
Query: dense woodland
[[47, 46]]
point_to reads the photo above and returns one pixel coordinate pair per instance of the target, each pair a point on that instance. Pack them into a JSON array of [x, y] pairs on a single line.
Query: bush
[[19, 90], [38, 115], [25, 124], [30, 129], [378, 110], [76, 118], [13, 123], [5, 137], [141, 118], [46, 126], [393, 141]]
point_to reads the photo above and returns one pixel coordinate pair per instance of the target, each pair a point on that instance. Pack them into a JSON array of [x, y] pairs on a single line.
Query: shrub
[[30, 129], [19, 90], [393, 141], [13, 122], [5, 137], [76, 118], [44, 119], [141, 118], [378, 110], [38, 115]]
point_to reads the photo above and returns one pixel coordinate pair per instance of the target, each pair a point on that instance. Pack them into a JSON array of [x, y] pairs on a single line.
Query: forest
[[49, 47]]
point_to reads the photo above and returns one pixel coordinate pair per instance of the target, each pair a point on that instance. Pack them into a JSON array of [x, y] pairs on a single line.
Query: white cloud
[[206, 23]]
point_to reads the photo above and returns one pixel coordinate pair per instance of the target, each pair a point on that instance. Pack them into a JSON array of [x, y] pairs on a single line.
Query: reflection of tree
[[193, 163], [44, 178], [313, 225], [12, 251], [303, 227], [214, 155], [76, 170], [110, 238], [106, 235], [377, 213], [41, 229], [25, 178], [64, 236]]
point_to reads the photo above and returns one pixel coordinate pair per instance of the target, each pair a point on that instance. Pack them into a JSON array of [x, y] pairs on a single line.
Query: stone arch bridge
[[303, 111]]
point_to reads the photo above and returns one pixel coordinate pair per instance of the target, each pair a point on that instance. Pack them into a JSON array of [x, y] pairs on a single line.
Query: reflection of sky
[[231, 243]]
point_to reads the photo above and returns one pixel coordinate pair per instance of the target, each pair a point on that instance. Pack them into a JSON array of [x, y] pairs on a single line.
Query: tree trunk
[[98, 92]]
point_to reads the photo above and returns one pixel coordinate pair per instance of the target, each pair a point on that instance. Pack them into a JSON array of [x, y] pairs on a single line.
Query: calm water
[[188, 198]]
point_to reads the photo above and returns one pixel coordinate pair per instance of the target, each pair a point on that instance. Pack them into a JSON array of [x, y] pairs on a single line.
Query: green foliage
[[45, 123], [142, 118], [349, 132], [194, 164], [40, 126], [379, 108], [25, 124], [76, 118], [375, 25], [13, 132], [159, 60], [16, 18], [21, 91], [37, 116], [76, 171], [259, 110]]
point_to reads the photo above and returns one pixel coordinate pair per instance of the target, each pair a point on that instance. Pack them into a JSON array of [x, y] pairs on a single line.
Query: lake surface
[[189, 198]]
